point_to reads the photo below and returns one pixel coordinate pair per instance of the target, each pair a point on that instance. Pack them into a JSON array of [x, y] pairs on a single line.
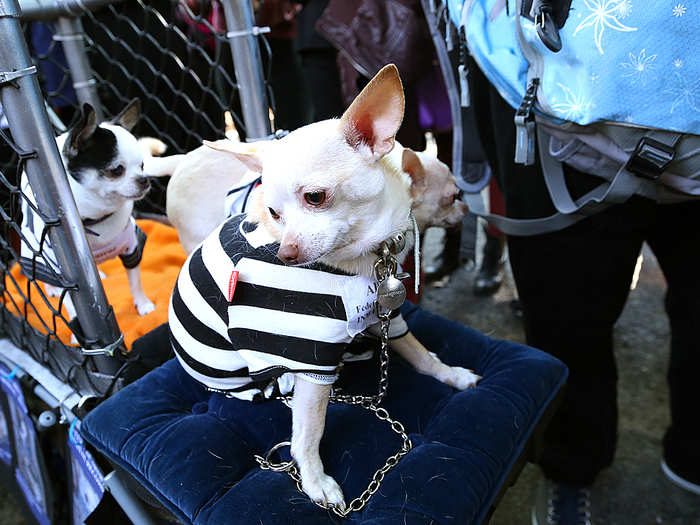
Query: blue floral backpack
[[611, 87]]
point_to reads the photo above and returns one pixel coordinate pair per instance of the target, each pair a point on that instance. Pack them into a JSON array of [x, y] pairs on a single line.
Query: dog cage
[[189, 63]]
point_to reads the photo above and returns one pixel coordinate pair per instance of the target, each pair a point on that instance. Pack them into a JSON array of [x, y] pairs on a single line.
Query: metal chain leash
[[385, 269]]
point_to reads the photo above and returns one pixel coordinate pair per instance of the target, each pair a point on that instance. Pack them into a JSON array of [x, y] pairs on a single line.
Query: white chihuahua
[[104, 164], [207, 185], [270, 300]]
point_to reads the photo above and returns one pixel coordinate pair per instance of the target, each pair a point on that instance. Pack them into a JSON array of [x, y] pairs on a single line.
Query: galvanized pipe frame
[[55, 393], [49, 10], [69, 31], [62, 399], [127, 500], [26, 113], [24, 108], [28, 120], [242, 36]]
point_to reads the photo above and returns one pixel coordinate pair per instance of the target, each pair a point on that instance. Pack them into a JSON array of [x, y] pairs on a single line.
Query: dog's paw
[[323, 489], [458, 377], [145, 307]]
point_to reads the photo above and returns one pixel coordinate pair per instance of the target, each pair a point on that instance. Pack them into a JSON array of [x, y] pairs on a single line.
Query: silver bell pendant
[[391, 293]]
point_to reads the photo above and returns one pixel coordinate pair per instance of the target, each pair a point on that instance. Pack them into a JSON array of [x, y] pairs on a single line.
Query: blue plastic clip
[[12, 375], [71, 430]]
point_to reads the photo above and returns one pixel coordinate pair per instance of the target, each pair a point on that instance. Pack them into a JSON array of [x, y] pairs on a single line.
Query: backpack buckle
[[525, 126], [650, 158], [545, 27]]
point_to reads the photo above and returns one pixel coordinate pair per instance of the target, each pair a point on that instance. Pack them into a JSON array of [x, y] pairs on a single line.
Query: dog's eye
[[315, 198], [448, 200], [274, 214], [116, 172]]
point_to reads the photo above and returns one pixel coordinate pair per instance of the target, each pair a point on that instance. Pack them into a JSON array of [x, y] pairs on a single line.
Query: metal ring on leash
[[275, 467]]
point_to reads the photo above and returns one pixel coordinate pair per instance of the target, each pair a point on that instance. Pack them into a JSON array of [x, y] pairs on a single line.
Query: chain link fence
[[188, 63]]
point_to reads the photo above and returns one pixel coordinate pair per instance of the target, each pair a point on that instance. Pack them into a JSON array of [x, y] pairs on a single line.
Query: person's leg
[[490, 275], [287, 85], [676, 244], [320, 69], [573, 285], [410, 134]]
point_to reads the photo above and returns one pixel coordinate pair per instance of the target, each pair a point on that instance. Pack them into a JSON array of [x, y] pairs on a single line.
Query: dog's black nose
[[144, 182]]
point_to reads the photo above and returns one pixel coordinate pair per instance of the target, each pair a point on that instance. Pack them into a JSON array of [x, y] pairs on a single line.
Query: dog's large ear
[[375, 116], [247, 153], [130, 115], [411, 164], [81, 131]]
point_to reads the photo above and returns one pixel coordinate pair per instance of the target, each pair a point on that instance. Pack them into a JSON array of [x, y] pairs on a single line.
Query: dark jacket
[[373, 33], [308, 38]]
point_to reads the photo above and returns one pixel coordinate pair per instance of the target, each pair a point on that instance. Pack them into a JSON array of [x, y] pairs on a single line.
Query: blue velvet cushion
[[194, 449]]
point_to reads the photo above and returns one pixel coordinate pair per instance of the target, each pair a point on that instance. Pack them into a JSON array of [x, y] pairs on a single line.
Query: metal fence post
[[69, 31], [130, 504], [247, 62], [25, 111], [35, 10]]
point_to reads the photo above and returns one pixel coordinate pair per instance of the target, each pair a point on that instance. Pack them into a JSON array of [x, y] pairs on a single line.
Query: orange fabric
[[162, 259]]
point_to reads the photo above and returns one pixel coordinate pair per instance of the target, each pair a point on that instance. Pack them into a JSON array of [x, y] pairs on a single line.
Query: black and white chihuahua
[[104, 163]]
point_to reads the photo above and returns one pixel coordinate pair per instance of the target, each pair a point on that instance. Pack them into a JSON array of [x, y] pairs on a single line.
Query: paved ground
[[633, 491]]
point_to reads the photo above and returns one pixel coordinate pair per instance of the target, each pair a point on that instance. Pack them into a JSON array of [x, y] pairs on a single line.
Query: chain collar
[[385, 268], [394, 246]]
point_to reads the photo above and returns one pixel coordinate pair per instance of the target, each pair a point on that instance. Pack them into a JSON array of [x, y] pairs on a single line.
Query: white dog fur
[[332, 192], [104, 164], [200, 179]]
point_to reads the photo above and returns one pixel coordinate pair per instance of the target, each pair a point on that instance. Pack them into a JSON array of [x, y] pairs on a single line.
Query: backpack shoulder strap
[[569, 210], [519, 227], [623, 185]]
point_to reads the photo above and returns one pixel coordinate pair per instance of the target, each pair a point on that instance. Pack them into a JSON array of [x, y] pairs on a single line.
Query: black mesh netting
[[178, 63], [27, 316]]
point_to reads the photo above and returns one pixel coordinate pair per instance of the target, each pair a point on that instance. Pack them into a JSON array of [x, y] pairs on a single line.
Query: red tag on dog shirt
[[232, 284]]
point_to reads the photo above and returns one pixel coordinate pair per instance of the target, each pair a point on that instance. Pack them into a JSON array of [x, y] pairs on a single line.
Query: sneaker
[[448, 260], [517, 308], [561, 504], [676, 478]]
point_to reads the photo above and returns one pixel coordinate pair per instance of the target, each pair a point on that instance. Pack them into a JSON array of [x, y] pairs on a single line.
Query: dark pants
[[287, 83], [573, 285], [320, 70]]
